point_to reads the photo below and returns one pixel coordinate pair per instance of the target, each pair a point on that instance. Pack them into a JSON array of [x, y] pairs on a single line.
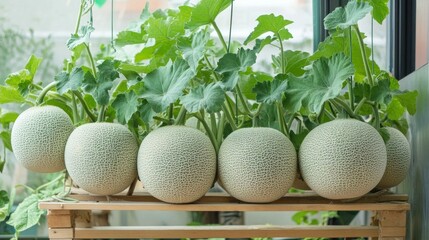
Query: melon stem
[[209, 131], [45, 91]]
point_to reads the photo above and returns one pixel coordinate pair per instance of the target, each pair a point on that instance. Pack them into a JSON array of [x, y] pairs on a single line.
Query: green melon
[[101, 158], [342, 159], [177, 164], [398, 159], [39, 137], [257, 164]]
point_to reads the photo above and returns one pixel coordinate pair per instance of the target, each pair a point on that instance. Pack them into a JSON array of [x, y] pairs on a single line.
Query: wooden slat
[[393, 232], [224, 232], [222, 206], [61, 233], [306, 197]]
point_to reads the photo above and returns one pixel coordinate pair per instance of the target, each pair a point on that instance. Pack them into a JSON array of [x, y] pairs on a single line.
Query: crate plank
[[224, 231], [84, 205]]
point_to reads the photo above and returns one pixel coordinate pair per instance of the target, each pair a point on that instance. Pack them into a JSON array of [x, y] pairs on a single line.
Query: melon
[[342, 159], [177, 164], [101, 158], [39, 137], [257, 165], [398, 159]]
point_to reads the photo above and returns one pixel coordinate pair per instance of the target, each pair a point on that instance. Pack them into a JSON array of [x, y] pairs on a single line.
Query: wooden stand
[[73, 220]]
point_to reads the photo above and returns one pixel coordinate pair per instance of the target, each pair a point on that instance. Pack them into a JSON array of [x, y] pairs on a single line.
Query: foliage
[[177, 71]]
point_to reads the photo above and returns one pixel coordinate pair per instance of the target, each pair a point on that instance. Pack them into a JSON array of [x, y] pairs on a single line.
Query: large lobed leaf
[[125, 105], [232, 63], [324, 82], [344, 17], [27, 214], [67, 82], [99, 87], [271, 91], [193, 48], [209, 98], [165, 85], [206, 11], [270, 23], [81, 38]]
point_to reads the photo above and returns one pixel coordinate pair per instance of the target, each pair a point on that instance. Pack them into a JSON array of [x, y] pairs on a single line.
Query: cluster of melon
[[341, 159]]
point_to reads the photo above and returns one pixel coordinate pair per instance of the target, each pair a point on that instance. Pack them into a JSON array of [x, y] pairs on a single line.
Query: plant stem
[[45, 91], [171, 111], [164, 120], [101, 114], [222, 40], [91, 59], [220, 128], [243, 101], [180, 119], [341, 104], [229, 117], [76, 116], [256, 114], [213, 124], [351, 93], [211, 68], [281, 52], [376, 116], [282, 122], [209, 131], [85, 106], [330, 116], [49, 183], [364, 58], [360, 104], [79, 16]]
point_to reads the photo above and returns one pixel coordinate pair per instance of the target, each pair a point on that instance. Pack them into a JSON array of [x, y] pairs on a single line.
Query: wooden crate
[[73, 220]]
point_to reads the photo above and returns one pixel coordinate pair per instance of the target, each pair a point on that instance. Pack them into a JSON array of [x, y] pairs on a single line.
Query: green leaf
[[146, 112], [5, 137], [99, 88], [67, 82], [233, 63], [270, 23], [270, 91], [209, 98], [193, 49], [164, 31], [10, 95], [261, 43], [408, 99], [380, 9], [294, 62], [81, 38], [33, 64], [125, 106], [14, 79], [8, 117], [129, 38], [27, 214], [4, 205], [348, 16], [165, 85], [248, 82], [395, 110], [206, 11], [25, 75], [324, 82]]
